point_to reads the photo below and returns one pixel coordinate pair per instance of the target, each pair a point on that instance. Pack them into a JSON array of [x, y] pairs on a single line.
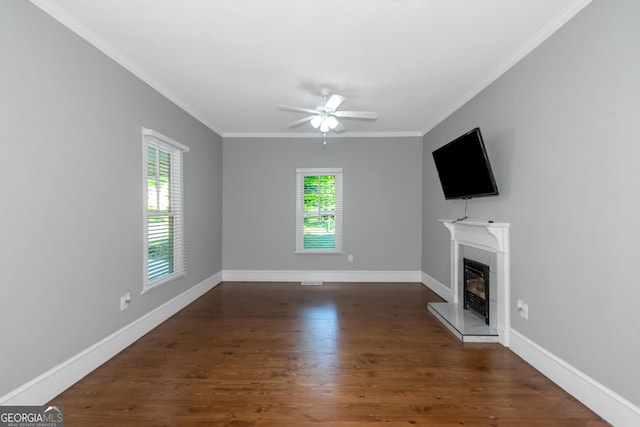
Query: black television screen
[[464, 168]]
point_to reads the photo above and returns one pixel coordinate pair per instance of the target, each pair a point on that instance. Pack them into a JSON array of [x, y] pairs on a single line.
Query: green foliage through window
[[160, 228], [158, 179], [319, 212]]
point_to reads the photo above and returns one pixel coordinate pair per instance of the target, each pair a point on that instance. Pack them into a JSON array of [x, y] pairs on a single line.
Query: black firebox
[[476, 288]]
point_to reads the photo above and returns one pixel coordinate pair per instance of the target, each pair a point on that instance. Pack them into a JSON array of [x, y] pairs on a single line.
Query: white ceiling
[[230, 62]]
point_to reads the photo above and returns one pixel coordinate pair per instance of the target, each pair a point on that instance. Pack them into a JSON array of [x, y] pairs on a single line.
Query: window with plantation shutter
[[163, 208], [319, 210]]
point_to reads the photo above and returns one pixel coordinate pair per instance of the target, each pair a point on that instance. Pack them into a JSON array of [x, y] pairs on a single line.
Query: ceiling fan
[[325, 117]]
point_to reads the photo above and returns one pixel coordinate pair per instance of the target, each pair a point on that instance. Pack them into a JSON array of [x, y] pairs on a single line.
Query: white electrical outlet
[[524, 311], [522, 308], [124, 301], [350, 258]]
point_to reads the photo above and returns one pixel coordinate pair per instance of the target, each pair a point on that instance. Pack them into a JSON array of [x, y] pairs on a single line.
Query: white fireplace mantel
[[491, 237]]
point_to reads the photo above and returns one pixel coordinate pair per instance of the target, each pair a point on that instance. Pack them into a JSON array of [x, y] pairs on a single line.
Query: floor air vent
[[311, 283]]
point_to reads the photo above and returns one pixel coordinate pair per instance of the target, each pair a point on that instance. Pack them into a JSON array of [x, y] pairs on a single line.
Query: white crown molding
[[614, 408], [71, 23], [552, 26], [316, 135], [48, 385], [322, 276], [67, 20]]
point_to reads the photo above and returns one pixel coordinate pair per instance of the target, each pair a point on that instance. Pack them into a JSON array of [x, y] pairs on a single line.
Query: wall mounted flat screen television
[[464, 169]]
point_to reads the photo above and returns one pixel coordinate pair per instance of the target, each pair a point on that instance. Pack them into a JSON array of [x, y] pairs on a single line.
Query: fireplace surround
[[486, 236]]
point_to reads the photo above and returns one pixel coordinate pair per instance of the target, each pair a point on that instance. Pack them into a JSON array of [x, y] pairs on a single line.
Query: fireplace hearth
[[476, 288]]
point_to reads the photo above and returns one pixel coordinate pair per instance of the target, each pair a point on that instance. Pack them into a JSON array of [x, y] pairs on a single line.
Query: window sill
[[320, 251], [161, 281]]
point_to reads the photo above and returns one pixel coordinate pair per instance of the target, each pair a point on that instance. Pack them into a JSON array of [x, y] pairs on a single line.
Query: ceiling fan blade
[[300, 109], [301, 121], [370, 115], [334, 102]]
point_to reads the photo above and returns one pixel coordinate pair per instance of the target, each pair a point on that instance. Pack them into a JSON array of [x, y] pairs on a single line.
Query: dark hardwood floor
[[341, 354]]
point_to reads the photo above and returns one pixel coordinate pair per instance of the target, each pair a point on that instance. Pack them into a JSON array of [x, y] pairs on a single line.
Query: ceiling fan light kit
[[325, 123], [324, 117]]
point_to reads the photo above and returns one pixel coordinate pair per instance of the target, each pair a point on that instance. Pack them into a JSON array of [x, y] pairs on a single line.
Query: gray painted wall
[[561, 132], [382, 208], [72, 189]]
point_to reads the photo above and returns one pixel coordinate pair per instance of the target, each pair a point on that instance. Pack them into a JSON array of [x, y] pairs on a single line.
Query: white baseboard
[[324, 276], [45, 387], [443, 291], [614, 408], [609, 405]]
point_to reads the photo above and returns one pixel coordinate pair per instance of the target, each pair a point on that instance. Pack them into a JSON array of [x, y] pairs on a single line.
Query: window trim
[[339, 211], [175, 149]]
